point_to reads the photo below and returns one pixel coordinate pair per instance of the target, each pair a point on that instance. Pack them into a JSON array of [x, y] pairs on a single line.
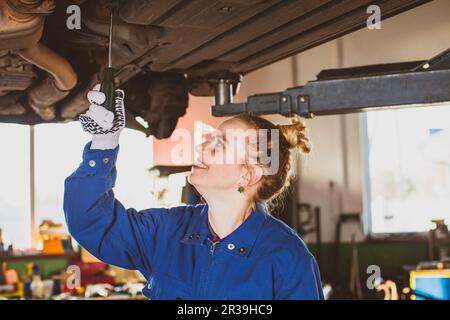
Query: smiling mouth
[[200, 165]]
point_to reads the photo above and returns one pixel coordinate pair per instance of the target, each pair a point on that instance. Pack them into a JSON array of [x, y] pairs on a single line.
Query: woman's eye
[[206, 138], [218, 143]]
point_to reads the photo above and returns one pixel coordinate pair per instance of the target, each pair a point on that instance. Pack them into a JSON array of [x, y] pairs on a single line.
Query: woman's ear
[[253, 175]]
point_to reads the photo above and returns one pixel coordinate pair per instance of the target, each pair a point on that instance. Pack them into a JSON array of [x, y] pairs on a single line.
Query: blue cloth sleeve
[[298, 276], [100, 223]]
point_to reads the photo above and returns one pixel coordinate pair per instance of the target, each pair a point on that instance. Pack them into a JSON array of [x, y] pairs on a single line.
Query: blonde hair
[[293, 137]]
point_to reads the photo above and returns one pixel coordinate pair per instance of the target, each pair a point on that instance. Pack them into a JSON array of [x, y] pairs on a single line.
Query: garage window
[[407, 177], [57, 153], [15, 184]]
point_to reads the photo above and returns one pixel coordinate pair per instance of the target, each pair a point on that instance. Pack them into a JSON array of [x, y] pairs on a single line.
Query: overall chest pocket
[[161, 286]]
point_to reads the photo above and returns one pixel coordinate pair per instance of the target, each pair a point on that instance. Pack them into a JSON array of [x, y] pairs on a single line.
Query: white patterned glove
[[105, 126]]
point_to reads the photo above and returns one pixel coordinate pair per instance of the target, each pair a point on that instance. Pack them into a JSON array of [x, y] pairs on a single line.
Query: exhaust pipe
[[22, 25], [46, 59], [63, 78]]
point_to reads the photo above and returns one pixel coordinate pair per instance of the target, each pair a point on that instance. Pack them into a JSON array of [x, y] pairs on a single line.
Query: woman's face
[[221, 159]]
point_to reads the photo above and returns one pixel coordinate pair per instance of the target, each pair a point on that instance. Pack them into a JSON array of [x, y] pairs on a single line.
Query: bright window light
[[15, 184], [134, 181], [58, 152], [58, 149], [408, 162]]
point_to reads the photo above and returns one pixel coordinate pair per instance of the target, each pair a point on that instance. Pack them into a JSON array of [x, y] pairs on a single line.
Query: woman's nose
[[199, 151], [199, 148]]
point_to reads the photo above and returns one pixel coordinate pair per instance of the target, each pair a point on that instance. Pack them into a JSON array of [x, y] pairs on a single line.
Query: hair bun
[[295, 135]]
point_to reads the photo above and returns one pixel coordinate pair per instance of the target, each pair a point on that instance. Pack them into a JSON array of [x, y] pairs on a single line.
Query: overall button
[[105, 160], [241, 250], [230, 246], [91, 163]]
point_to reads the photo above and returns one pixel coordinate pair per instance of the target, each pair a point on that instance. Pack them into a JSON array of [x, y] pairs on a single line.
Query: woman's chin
[[195, 178], [198, 171]]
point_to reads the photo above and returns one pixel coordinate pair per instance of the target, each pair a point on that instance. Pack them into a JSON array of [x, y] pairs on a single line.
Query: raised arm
[[98, 221]]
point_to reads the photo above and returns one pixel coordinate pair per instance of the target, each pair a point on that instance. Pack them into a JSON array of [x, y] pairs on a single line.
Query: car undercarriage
[[162, 51]]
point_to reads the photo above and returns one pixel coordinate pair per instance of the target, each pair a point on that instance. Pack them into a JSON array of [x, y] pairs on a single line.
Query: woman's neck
[[225, 215]]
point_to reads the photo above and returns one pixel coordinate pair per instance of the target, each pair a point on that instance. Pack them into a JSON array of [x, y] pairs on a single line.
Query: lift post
[[351, 90]]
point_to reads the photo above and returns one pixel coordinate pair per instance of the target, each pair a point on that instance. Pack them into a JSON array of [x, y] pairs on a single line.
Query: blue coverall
[[262, 259]]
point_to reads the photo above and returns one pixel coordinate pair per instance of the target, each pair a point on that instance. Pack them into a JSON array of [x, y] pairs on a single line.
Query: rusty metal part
[[78, 103], [42, 97], [48, 60], [21, 25], [15, 73], [130, 41], [24, 8], [19, 29], [16, 76], [11, 105], [132, 49]]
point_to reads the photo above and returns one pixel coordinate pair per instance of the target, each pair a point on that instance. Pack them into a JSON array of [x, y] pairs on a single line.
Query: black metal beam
[[427, 83]]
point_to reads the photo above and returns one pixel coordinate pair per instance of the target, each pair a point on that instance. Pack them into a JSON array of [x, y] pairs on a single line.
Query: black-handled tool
[[107, 86]]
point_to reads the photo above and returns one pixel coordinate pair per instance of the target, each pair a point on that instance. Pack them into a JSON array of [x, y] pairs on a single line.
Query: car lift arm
[[352, 90]]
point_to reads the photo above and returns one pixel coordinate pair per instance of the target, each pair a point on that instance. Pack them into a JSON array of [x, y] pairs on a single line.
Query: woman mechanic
[[231, 247]]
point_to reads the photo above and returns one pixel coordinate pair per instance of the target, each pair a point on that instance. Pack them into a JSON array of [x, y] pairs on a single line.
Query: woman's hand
[[105, 126]]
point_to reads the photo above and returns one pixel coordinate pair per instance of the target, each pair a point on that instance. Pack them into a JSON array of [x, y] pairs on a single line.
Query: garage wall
[[416, 35]]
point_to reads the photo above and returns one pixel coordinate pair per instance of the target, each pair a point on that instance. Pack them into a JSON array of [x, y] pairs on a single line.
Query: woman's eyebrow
[[208, 136], [224, 139], [217, 134], [221, 137]]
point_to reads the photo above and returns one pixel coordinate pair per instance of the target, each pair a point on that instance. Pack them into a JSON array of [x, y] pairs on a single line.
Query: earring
[[240, 189]]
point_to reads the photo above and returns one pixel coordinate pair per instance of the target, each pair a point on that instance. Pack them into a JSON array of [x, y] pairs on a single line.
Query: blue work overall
[[172, 248]]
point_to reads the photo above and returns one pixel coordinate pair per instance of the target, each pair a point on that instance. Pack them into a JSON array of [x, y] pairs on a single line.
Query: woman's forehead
[[232, 124]]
